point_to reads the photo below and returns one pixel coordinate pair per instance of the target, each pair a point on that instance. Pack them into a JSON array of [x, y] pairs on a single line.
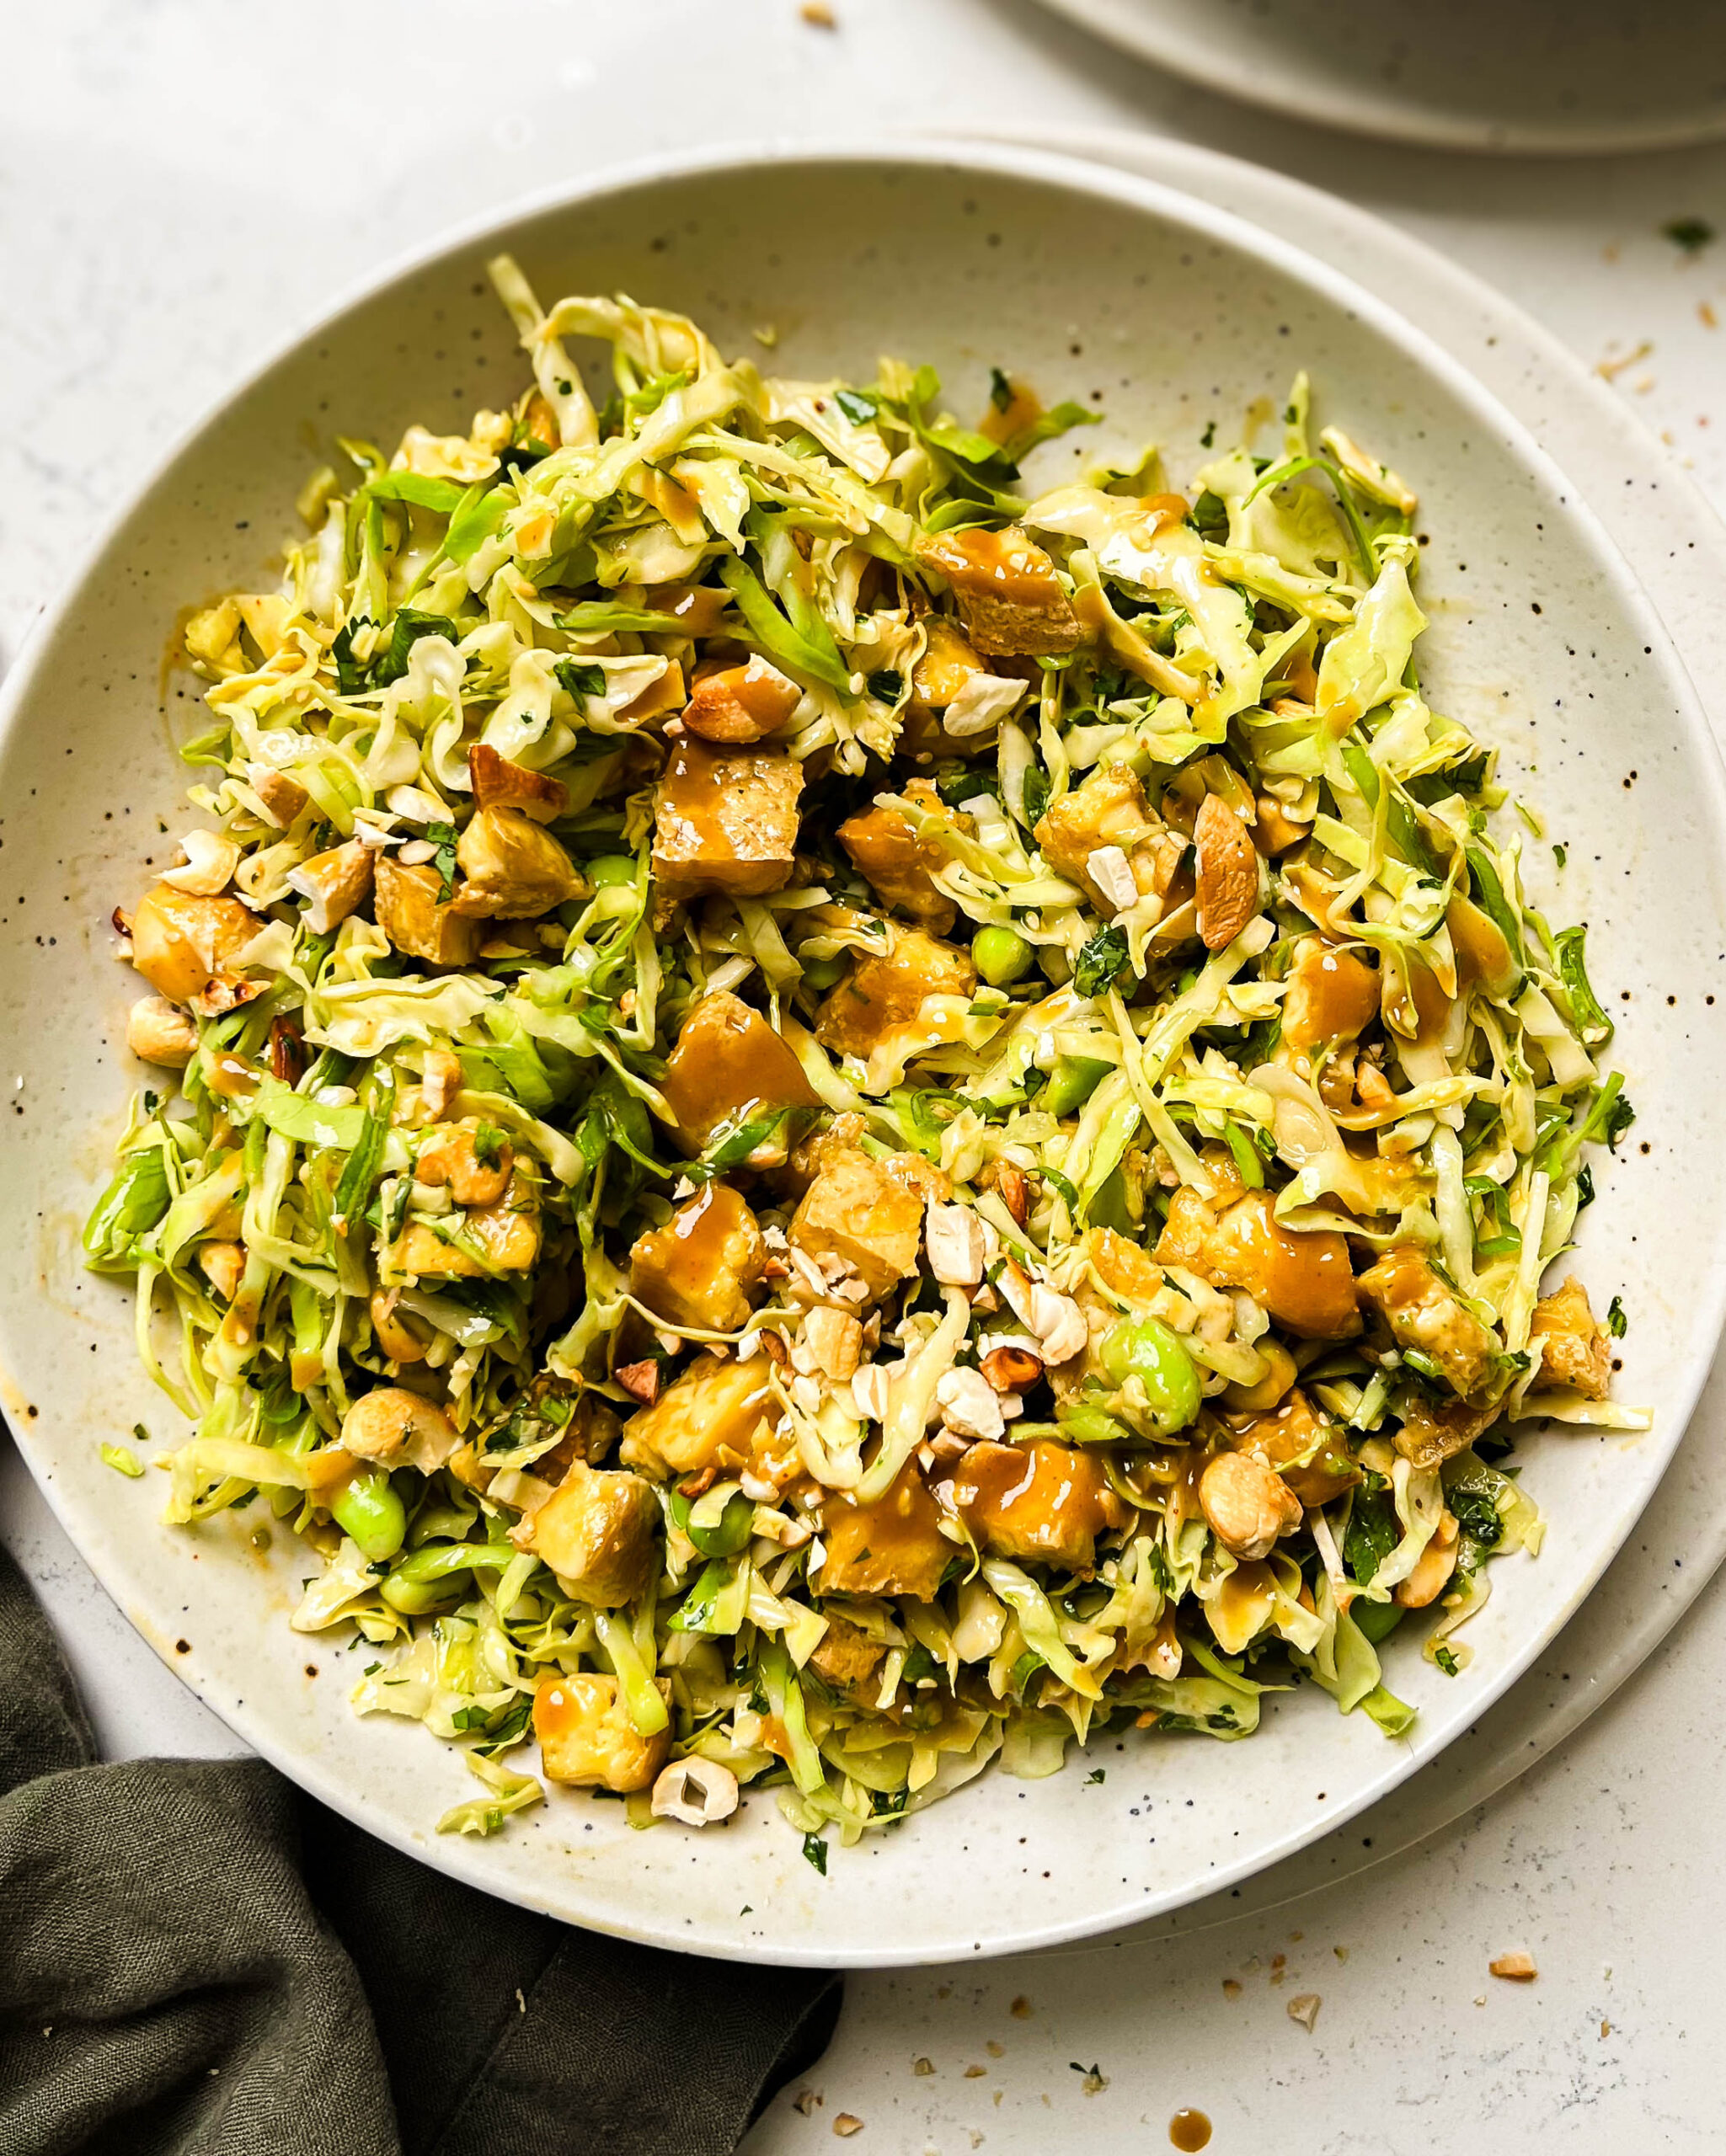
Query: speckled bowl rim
[[462, 1858]]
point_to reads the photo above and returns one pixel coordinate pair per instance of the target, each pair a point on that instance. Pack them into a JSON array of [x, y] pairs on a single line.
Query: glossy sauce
[[1481, 953], [728, 1063], [1303, 1276], [1290, 1433], [1190, 2130], [1242, 1604], [697, 607], [1030, 1497], [1005, 565], [232, 1077], [1332, 996], [893, 1546]]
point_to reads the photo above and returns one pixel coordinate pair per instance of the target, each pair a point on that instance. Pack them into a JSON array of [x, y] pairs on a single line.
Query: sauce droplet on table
[[1189, 2130]]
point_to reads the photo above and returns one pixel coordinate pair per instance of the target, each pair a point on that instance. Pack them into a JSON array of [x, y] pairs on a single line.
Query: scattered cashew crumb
[[521, 2003], [1230, 1988], [1304, 2008], [1341, 1953], [1707, 315], [805, 2100], [995, 2049], [975, 2072], [1610, 369], [1021, 2008], [846, 2123], [1605, 2028], [922, 2066], [1515, 1968], [1279, 1968], [821, 16]]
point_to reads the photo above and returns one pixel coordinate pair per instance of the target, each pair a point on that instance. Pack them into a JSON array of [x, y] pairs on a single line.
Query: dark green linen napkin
[[197, 1961]]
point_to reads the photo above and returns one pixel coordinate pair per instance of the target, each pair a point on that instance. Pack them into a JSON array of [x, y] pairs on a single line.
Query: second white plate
[[1554, 78]]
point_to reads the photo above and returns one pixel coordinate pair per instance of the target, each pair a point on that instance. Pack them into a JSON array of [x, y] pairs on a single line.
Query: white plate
[[969, 258], [1553, 77]]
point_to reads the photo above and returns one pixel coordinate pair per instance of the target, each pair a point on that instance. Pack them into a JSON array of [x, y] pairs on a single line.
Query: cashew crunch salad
[[831, 1119]]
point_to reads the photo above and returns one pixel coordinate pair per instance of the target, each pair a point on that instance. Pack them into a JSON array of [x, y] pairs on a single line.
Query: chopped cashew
[[868, 1388], [222, 1264], [969, 1406], [697, 1792], [1247, 1504], [211, 859], [1112, 873], [955, 1234], [1227, 872], [159, 1032], [1515, 1968], [834, 1339], [400, 1428]]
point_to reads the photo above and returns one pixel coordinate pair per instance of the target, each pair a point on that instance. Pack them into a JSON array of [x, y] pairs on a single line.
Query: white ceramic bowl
[[970, 258]]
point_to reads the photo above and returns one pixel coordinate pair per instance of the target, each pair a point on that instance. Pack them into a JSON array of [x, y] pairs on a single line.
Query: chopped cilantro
[[1616, 1323], [1691, 235], [815, 1851], [886, 683], [443, 837], [580, 677], [1447, 1661], [1000, 390], [488, 1144], [857, 406], [1102, 962]]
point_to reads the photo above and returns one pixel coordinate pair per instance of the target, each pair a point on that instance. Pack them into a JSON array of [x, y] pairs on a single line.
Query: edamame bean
[[609, 870], [1002, 956], [367, 1508], [1072, 1083], [431, 1579], [1145, 1348]]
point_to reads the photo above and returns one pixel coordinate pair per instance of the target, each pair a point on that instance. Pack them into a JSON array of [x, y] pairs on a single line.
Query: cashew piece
[[400, 1428], [698, 1792], [159, 1032], [1247, 1504], [1227, 872]]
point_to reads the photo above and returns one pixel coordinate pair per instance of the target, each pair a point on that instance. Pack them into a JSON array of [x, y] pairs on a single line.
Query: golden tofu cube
[[512, 870], [596, 1532], [1293, 1433], [893, 1546], [1422, 1314], [587, 1738], [948, 663], [698, 1269], [1008, 596], [1109, 809], [182, 941], [1578, 1353], [1043, 1502], [716, 1404], [730, 1067], [418, 922], [498, 783], [726, 820], [1302, 1277], [846, 1658], [506, 1237], [881, 992], [899, 864], [858, 1210]]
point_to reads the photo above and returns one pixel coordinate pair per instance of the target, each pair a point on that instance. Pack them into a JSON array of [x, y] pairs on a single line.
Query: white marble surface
[[180, 184]]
